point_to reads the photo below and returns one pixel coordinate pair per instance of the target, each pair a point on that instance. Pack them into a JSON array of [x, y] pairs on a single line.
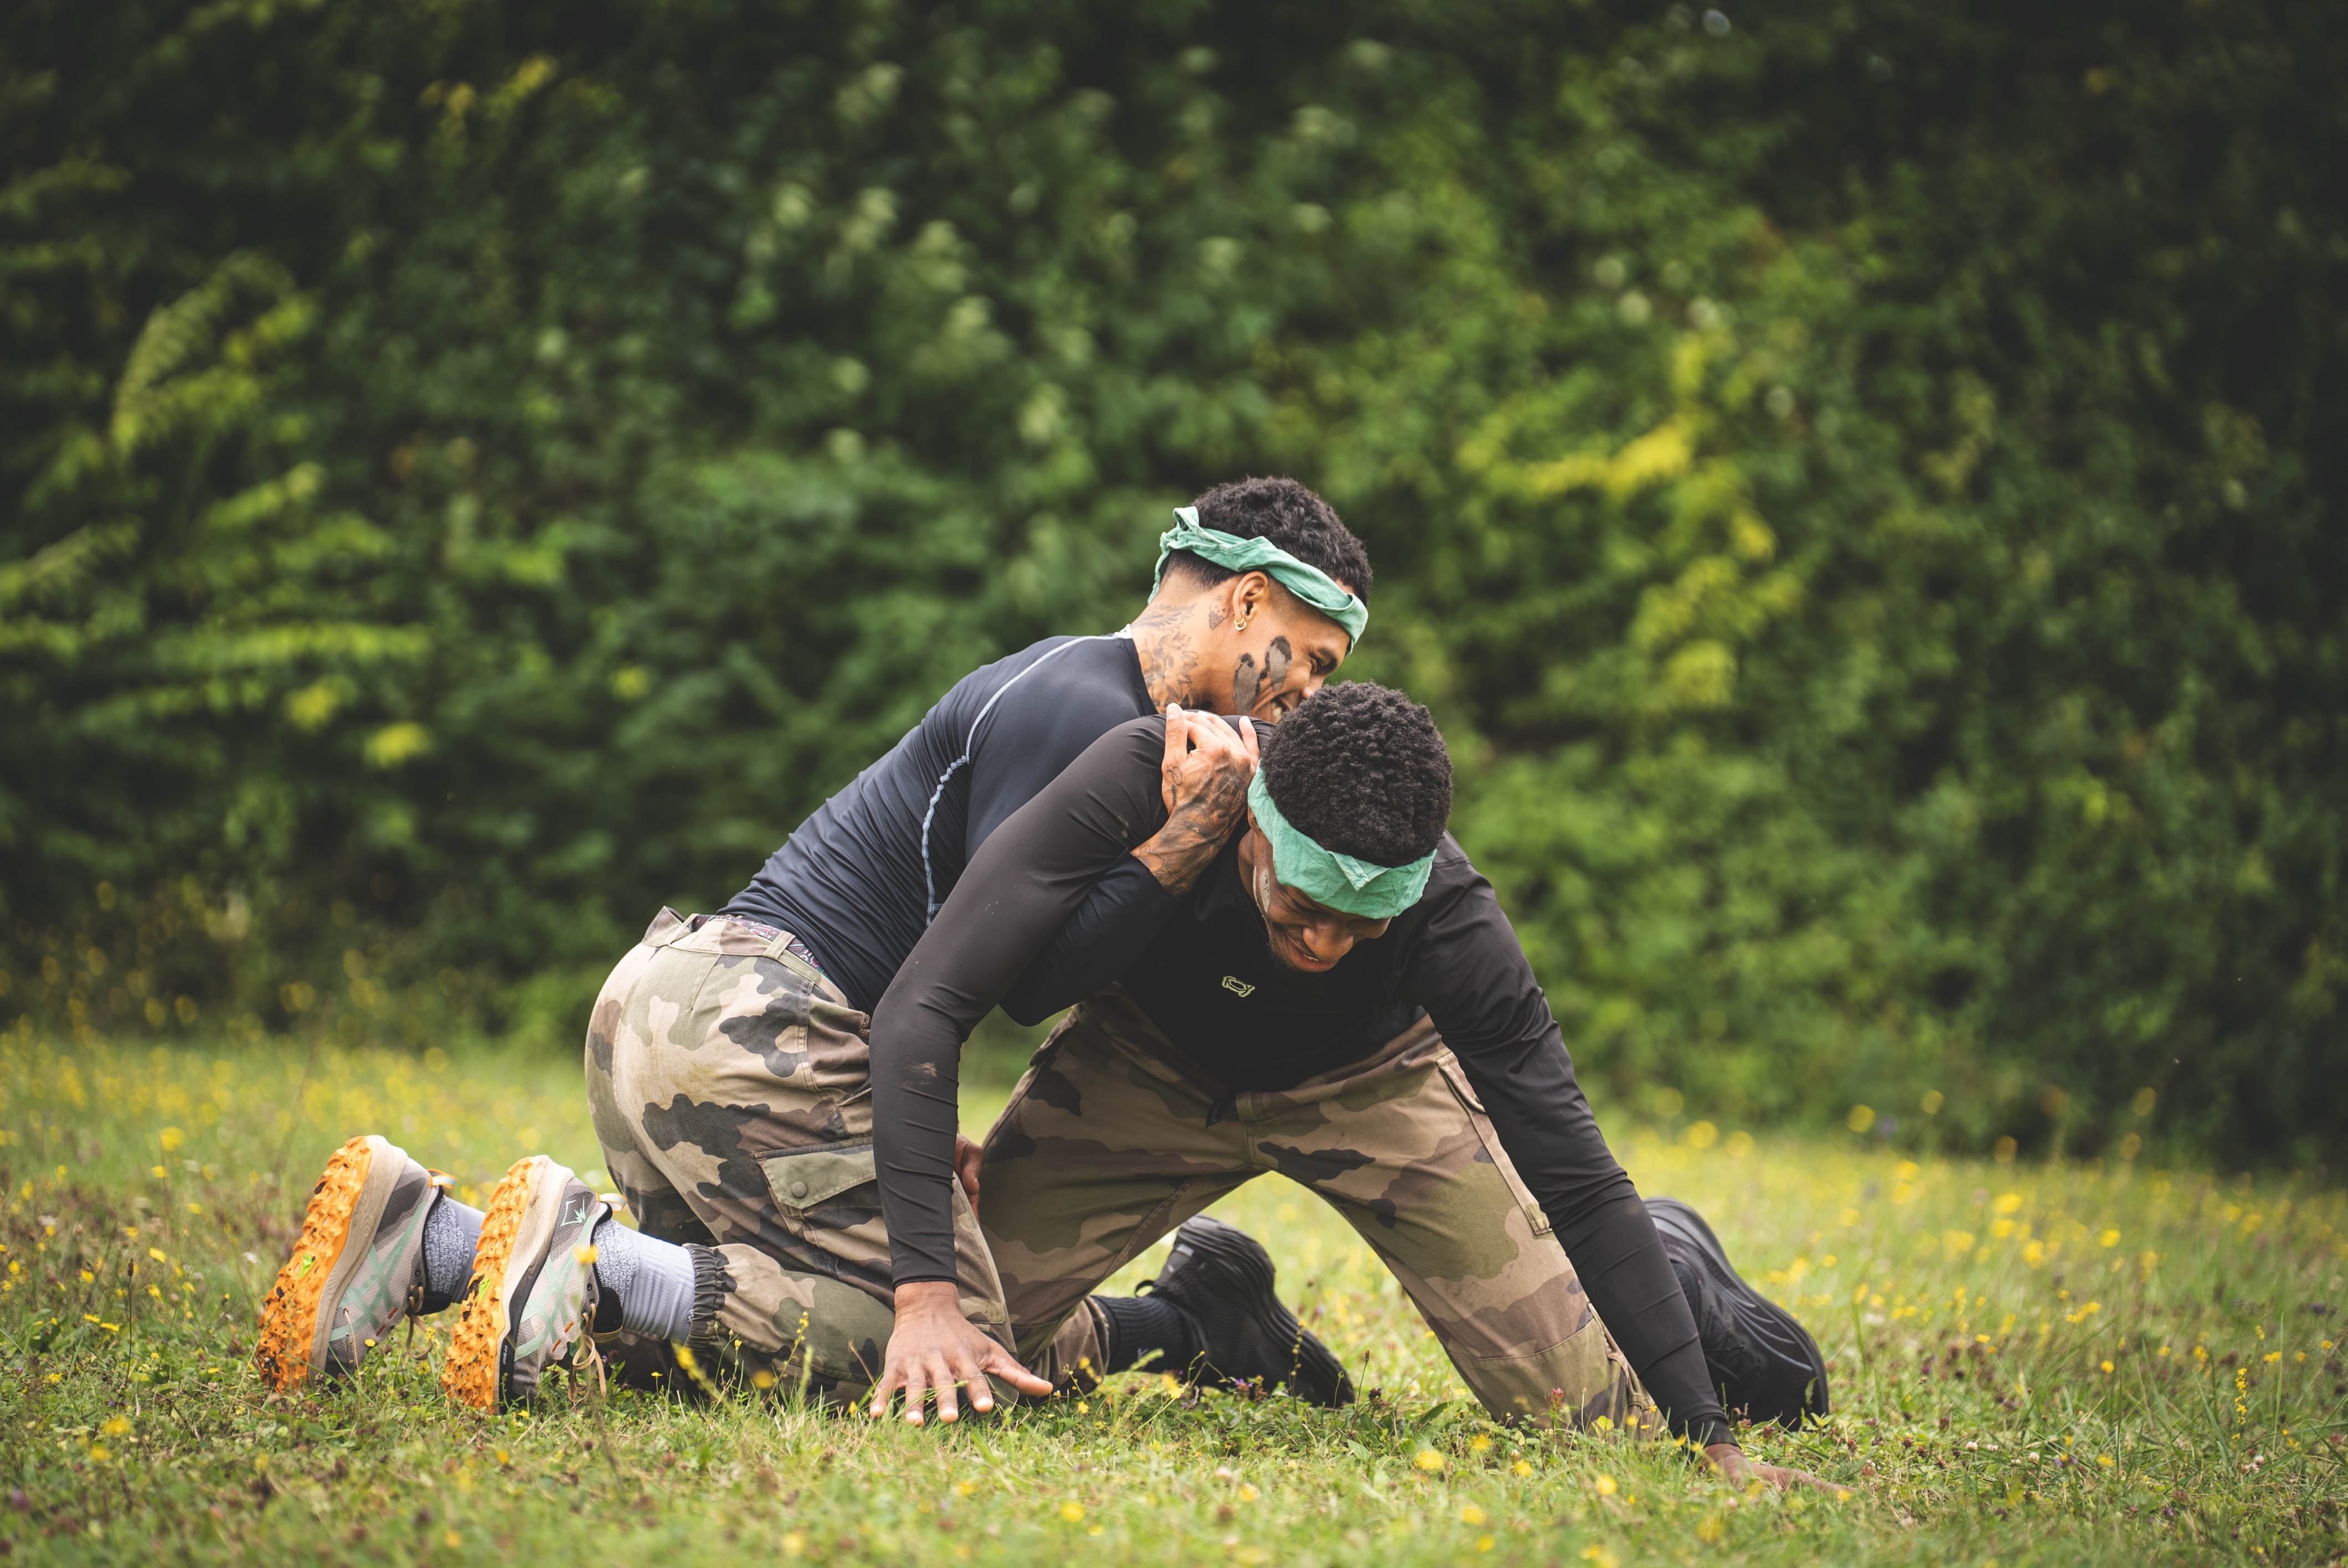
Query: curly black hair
[[1291, 517], [1361, 770]]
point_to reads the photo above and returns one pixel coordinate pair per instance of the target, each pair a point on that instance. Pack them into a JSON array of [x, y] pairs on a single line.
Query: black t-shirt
[[1031, 906], [860, 880]]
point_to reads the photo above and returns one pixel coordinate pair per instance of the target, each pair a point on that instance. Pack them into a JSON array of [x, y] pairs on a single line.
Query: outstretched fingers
[[1786, 1479], [1739, 1469], [1003, 1364], [918, 1380], [892, 1378], [939, 1372], [947, 1373]]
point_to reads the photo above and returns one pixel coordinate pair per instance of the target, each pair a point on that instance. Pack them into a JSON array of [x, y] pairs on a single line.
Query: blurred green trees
[[1860, 491]]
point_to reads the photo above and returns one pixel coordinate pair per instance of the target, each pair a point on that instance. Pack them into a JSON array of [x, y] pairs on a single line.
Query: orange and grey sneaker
[[357, 1269], [532, 1304]]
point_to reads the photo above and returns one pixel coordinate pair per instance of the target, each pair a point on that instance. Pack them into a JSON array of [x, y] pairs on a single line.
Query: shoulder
[[1075, 685], [1137, 745], [990, 681], [1110, 793], [1453, 875], [1458, 899], [1120, 771], [1460, 950]]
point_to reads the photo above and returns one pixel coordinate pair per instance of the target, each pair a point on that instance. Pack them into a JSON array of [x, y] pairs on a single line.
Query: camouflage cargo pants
[[731, 1092], [1109, 1142]]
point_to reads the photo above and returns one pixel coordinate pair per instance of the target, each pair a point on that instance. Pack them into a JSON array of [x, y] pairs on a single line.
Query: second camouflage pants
[[1110, 1142]]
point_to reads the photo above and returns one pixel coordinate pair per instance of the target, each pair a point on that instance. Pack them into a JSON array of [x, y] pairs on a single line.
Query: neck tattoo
[[1169, 659]]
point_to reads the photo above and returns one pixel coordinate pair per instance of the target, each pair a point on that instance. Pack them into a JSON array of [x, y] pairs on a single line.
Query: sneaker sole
[[1670, 1213], [474, 1373], [1316, 1376], [296, 1314]]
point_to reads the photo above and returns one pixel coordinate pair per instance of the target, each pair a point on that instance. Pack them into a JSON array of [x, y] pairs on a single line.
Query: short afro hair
[[1289, 516], [1361, 770]]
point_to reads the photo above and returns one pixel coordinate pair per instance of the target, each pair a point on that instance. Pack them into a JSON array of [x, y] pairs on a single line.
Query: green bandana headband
[[1355, 887], [1311, 584]]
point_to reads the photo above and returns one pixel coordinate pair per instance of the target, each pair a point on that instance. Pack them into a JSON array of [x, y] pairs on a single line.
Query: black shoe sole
[[1679, 1220], [1315, 1376]]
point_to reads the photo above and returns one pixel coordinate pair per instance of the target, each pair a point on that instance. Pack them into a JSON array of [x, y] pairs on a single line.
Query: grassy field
[[2030, 1364]]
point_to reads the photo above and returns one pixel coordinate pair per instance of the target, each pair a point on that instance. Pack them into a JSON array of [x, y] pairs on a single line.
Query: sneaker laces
[[591, 1353]]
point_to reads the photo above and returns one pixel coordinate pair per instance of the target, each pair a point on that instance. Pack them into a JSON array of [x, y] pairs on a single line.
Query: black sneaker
[[1220, 1278], [1763, 1364]]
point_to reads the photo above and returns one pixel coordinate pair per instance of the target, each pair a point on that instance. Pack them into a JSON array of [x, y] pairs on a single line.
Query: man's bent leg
[[1103, 1149], [1400, 1146], [1112, 1141], [643, 1187], [831, 1355], [729, 1083]]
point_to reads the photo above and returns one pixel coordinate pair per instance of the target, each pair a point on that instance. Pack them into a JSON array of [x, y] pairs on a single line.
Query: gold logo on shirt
[[1237, 987]]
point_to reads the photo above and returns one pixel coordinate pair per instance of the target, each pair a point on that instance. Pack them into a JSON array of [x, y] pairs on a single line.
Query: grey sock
[[651, 1280], [451, 1232]]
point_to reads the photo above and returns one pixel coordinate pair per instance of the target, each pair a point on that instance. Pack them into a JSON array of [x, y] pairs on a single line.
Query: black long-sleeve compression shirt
[[1453, 955], [859, 880]]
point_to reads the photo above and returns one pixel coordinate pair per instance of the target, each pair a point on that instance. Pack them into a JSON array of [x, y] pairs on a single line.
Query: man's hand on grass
[[934, 1349], [1734, 1468]]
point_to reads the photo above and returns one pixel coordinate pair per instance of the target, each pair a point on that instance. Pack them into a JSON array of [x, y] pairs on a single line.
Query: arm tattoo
[[1178, 854]]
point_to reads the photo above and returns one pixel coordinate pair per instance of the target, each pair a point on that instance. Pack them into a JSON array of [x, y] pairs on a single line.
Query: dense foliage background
[[1860, 487]]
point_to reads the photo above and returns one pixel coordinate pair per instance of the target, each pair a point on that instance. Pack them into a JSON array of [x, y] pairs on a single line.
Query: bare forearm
[[1204, 780], [1178, 854]]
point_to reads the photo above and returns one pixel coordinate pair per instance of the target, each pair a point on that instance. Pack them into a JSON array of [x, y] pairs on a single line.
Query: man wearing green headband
[[1338, 999], [725, 1056]]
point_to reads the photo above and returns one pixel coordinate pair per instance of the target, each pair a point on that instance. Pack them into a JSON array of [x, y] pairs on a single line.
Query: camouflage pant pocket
[[812, 1180]]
